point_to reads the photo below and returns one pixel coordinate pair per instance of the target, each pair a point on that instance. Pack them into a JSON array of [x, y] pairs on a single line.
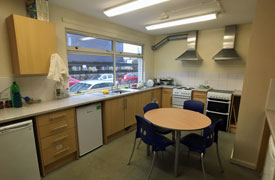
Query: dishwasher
[[18, 157], [89, 126]]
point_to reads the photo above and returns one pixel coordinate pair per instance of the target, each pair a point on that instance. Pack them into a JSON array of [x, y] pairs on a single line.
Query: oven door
[[178, 101], [214, 116], [218, 105]]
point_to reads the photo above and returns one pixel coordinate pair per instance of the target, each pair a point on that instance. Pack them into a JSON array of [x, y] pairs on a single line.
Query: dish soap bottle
[[15, 96]]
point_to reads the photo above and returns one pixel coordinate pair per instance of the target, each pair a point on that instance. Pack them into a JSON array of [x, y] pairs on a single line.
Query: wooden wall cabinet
[[166, 98], [31, 44], [200, 96], [57, 139]]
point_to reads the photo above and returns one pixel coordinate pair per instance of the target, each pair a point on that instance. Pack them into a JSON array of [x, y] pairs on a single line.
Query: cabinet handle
[[57, 117], [64, 150], [60, 139], [60, 127]]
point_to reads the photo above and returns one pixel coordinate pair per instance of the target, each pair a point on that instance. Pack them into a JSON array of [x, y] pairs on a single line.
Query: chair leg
[[202, 165], [132, 151], [218, 154], [139, 144], [152, 165]]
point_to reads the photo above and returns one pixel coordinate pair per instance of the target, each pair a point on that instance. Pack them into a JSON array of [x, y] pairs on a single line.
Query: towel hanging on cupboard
[[58, 71]]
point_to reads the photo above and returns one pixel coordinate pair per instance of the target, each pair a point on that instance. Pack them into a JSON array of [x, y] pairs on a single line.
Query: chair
[[159, 130], [146, 131], [198, 143], [194, 105]]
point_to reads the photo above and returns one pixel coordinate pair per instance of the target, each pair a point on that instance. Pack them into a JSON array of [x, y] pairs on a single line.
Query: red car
[[72, 81], [130, 77]]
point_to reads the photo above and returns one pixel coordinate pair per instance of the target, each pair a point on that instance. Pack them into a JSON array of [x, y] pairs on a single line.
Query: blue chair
[[151, 106], [198, 143], [159, 130], [146, 131], [194, 105]]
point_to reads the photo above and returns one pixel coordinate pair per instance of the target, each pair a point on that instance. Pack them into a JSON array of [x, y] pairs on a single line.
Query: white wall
[[40, 86], [218, 74]]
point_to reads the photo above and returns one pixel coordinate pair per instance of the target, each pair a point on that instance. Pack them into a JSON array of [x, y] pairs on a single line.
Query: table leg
[[177, 153]]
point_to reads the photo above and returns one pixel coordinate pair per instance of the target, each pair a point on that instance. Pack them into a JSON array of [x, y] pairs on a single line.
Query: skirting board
[[242, 163]]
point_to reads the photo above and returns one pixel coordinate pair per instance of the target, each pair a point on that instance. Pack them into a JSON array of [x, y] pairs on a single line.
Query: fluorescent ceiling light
[[182, 21], [86, 38], [131, 6]]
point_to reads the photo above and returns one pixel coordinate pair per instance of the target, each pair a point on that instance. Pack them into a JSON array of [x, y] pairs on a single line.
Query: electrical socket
[[205, 82]]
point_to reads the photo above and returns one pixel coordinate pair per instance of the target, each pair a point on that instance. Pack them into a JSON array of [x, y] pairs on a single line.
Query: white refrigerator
[[18, 158], [89, 126]]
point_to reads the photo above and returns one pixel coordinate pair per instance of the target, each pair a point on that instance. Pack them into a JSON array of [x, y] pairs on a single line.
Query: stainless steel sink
[[121, 91]]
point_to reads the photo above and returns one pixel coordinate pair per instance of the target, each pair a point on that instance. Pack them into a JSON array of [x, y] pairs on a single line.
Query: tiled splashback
[[37, 87], [225, 81]]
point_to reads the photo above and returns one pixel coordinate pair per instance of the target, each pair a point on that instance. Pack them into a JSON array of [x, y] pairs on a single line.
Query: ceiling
[[230, 12]]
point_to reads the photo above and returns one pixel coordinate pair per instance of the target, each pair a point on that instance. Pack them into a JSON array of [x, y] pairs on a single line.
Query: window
[[93, 63], [129, 70], [79, 41]]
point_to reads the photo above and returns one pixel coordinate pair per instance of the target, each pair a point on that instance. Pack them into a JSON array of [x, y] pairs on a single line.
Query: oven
[[179, 96], [218, 107], [178, 101]]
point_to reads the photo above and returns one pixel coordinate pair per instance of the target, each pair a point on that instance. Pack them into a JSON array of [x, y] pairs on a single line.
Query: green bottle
[[16, 96]]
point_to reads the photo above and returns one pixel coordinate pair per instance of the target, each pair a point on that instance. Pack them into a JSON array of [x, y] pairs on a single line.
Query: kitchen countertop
[[203, 90], [29, 110], [237, 93], [270, 116]]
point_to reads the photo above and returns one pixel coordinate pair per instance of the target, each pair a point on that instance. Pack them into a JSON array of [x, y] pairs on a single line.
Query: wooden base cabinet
[[119, 115], [200, 96], [57, 139], [166, 99]]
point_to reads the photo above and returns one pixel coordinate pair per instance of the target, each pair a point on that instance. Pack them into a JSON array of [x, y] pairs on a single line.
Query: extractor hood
[[228, 52], [191, 53]]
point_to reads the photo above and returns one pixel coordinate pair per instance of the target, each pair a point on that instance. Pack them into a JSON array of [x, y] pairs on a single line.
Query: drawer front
[[167, 91], [56, 127], [56, 139], [55, 117], [58, 151], [199, 93]]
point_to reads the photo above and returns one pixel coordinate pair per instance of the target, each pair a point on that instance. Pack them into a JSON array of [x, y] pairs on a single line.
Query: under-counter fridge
[[18, 157], [89, 126]]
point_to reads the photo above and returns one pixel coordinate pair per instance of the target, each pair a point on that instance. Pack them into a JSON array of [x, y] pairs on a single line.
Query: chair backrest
[[150, 106], [210, 134], [194, 105], [145, 130]]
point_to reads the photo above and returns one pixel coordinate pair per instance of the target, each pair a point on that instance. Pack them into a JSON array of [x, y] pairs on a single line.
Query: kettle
[[150, 83]]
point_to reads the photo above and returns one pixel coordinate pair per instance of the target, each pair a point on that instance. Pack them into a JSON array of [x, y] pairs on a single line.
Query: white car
[[90, 84], [105, 77]]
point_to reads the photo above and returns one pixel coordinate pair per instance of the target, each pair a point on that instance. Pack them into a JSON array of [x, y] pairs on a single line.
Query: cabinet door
[[200, 96], [157, 95], [32, 42], [113, 116], [131, 109], [167, 97], [144, 98]]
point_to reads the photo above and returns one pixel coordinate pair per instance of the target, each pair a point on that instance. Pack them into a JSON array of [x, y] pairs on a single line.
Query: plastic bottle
[[16, 96]]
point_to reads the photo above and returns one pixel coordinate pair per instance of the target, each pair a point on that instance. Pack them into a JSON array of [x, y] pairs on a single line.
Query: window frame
[[100, 52]]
